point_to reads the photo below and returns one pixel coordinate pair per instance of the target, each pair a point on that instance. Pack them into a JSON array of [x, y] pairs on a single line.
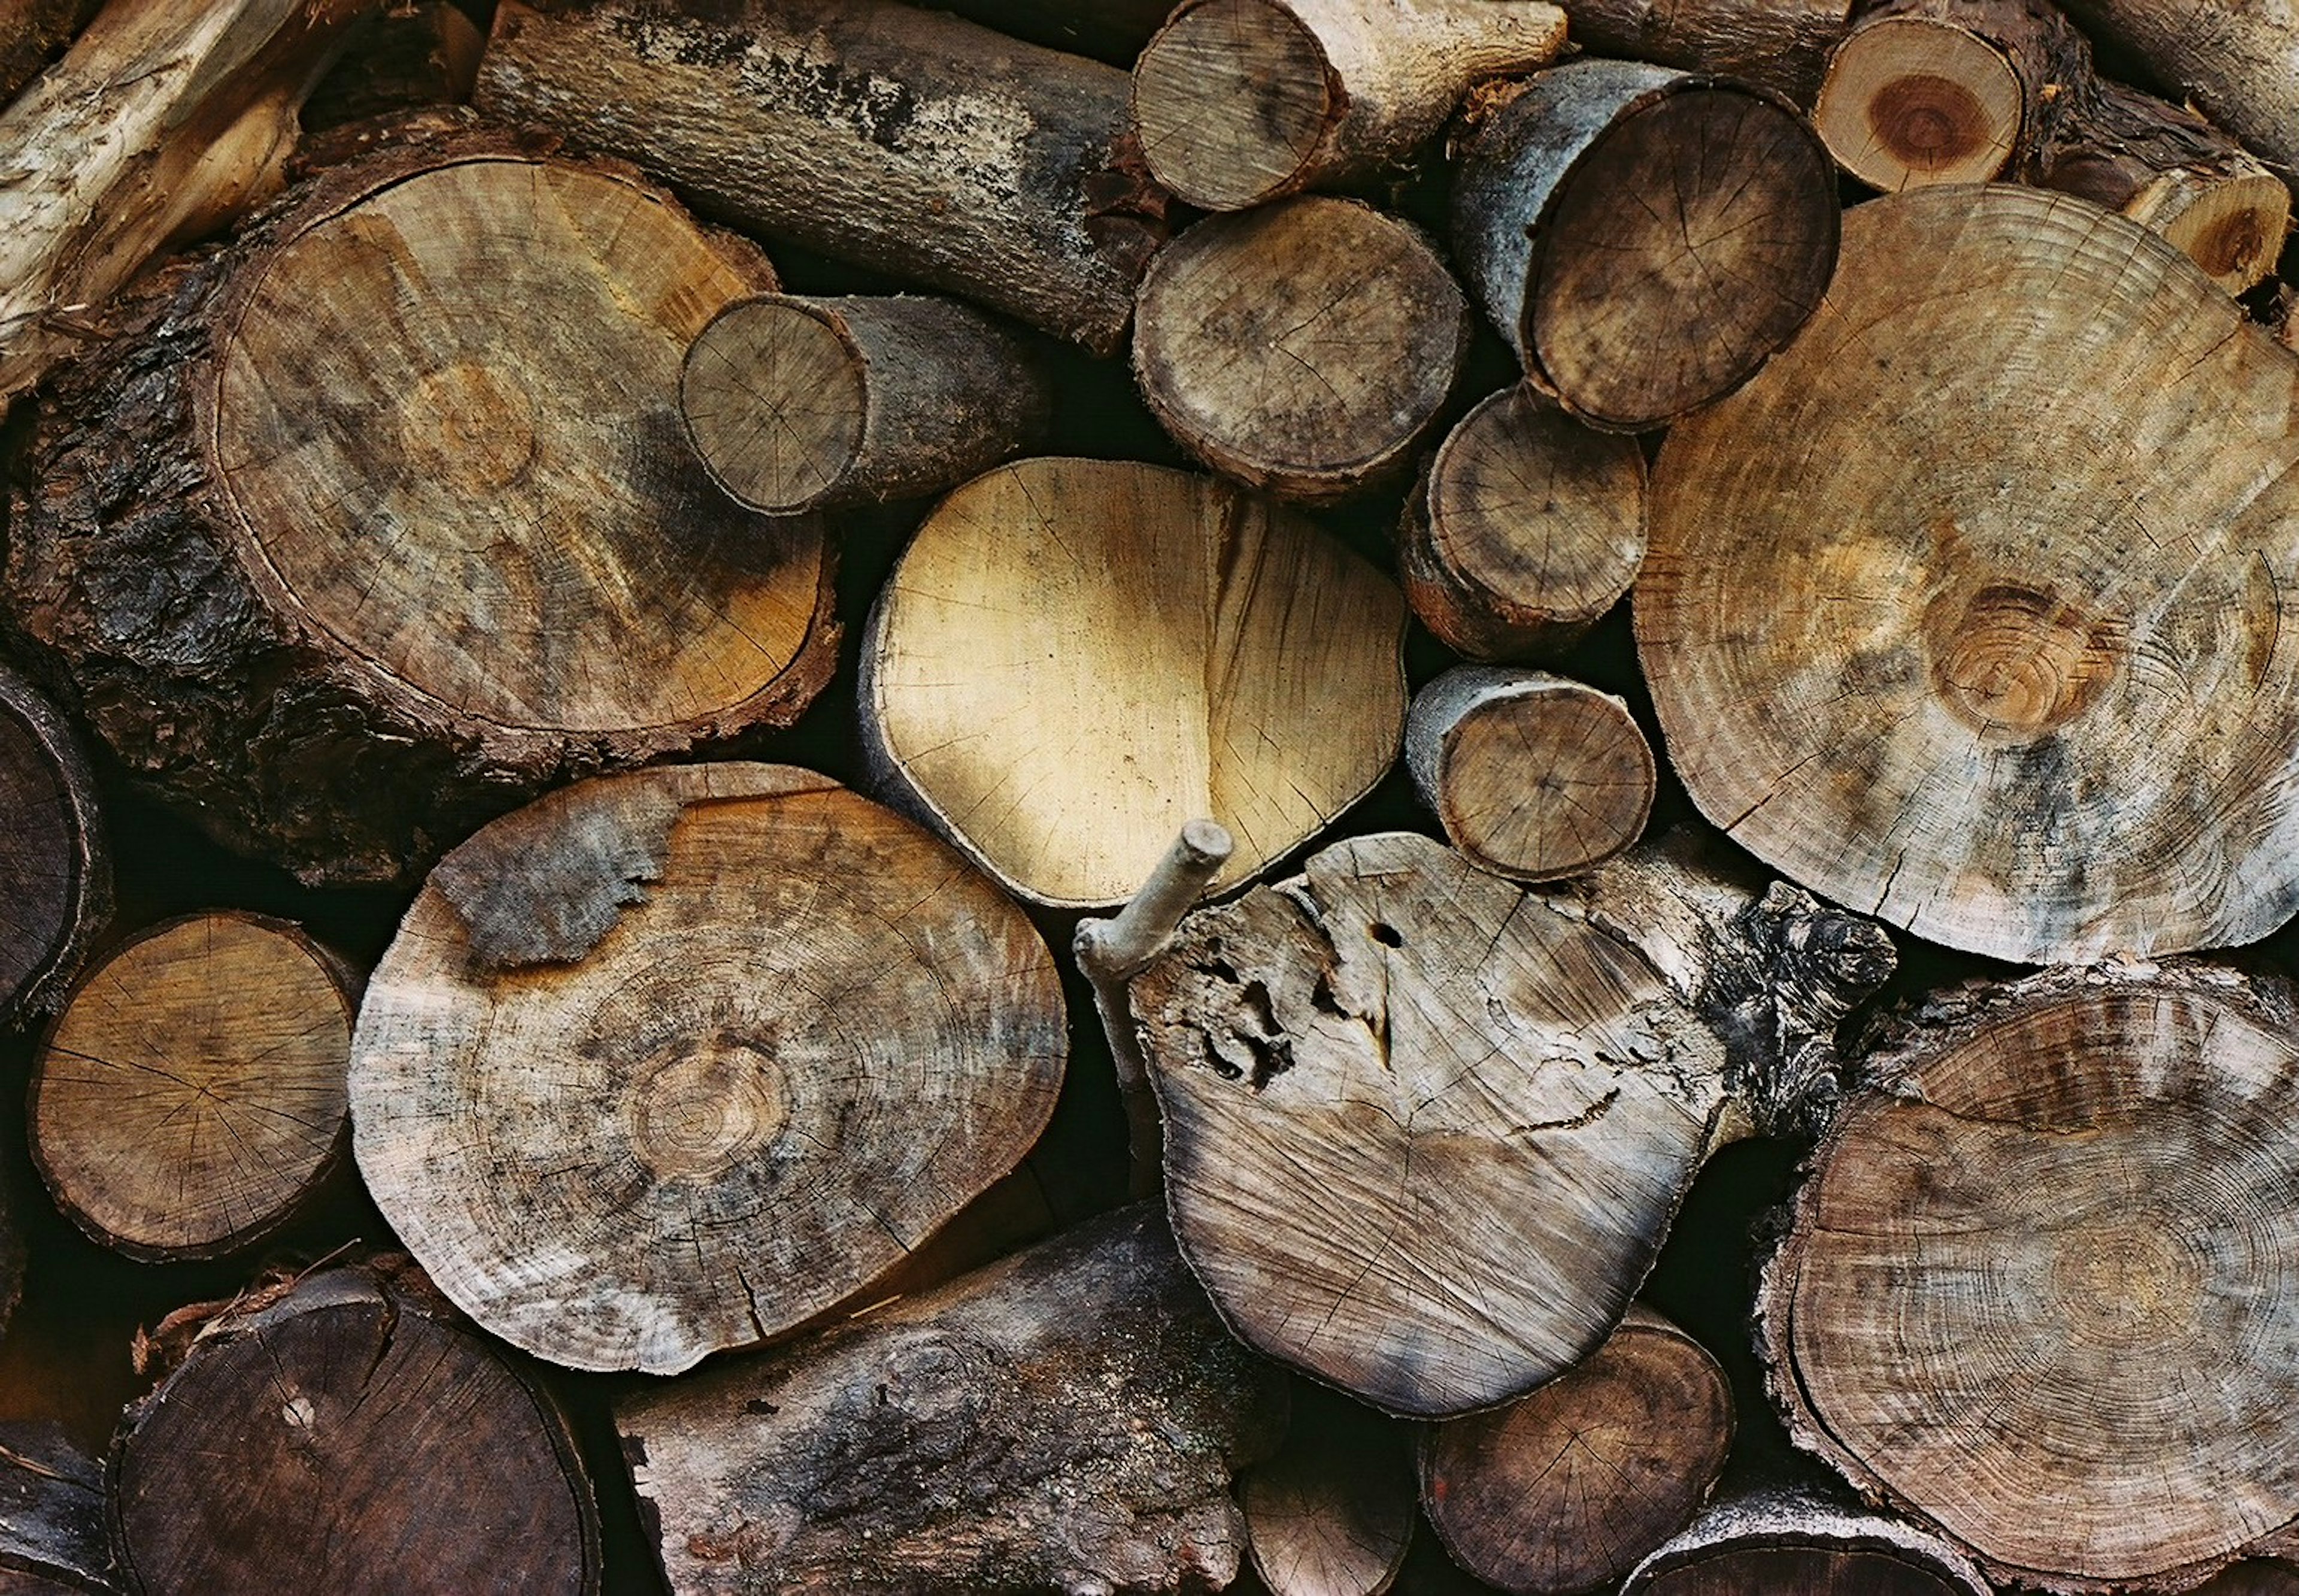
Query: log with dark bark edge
[[1615, 220], [33, 33], [797, 403], [53, 1537], [1566, 1490], [560, 586], [1531, 775], [190, 1098], [1526, 527], [1952, 638], [1426, 1131], [1779, 44], [2241, 69], [1332, 1513], [1075, 659], [1772, 1540], [710, 1048], [413, 53], [915, 144], [1241, 102], [347, 1435], [2036, 1288], [1067, 1420], [55, 862], [1305, 347]]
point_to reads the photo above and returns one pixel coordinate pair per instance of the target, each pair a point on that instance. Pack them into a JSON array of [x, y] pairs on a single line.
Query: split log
[[1527, 527], [564, 589], [1067, 1420], [796, 405], [1614, 219], [1779, 44], [414, 52], [1305, 348], [2241, 70], [1344, 1058], [1767, 1542], [908, 142], [189, 1101], [33, 33], [1075, 659], [367, 1445], [710, 1048], [53, 1537], [1566, 1491], [1533, 777], [55, 863], [1241, 102], [1958, 643], [1331, 1514]]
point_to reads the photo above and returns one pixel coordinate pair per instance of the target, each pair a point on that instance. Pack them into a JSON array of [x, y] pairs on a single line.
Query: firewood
[[345, 1435], [1615, 220], [1067, 1420], [1305, 348], [1332, 1513], [1112, 31], [1567, 1490], [799, 403], [1075, 659], [53, 1537], [190, 1098], [1526, 528], [1241, 102], [2035, 1289], [33, 33], [905, 141], [2241, 70], [1779, 44], [710, 1048], [55, 863], [413, 53], [1533, 777], [348, 547], [1766, 1540], [1955, 643], [1344, 1059]]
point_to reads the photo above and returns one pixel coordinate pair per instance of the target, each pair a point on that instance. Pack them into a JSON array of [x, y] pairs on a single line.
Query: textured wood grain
[[1332, 1513], [55, 860], [33, 33], [2238, 63], [1779, 44], [54, 1540], [1772, 1540]]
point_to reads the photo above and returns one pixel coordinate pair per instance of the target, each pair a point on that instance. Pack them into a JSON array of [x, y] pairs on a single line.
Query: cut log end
[[1331, 1514], [2233, 224], [1233, 99], [55, 875], [1769, 1540], [774, 397], [1912, 100]]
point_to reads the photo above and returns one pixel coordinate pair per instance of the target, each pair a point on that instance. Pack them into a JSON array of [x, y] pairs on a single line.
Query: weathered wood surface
[[54, 1540], [1770, 1540], [1332, 1513], [1779, 44], [55, 858], [2241, 69], [33, 33]]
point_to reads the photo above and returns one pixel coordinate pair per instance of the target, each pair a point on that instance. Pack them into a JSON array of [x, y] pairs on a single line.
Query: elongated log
[[56, 861], [1779, 44], [1768, 1540], [33, 33], [54, 1540], [1067, 1420], [1332, 1513], [1241, 102], [905, 141], [411, 54], [2241, 70]]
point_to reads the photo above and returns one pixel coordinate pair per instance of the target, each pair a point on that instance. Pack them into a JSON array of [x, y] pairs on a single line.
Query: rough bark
[[1067, 1420], [2240, 68], [564, 589], [1241, 102], [411, 54], [1969, 612], [33, 33], [1332, 1513], [913, 144], [1769, 1540], [1779, 44], [55, 862], [54, 1538]]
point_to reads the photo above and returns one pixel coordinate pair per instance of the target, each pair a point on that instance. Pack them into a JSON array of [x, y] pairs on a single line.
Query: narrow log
[[1612, 218], [1075, 659], [1768, 1540], [2033, 1291], [1067, 1420], [905, 141], [1241, 102], [1332, 1513], [1996, 753], [368, 1445], [55, 863], [1526, 528], [1305, 348], [53, 1537], [413, 53], [796, 405], [33, 33], [710, 1048], [2242, 71], [1778, 45]]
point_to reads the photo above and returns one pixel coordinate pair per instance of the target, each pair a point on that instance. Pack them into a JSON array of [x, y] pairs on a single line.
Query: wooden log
[[1780, 45], [1531, 775], [2033, 1291], [565, 590], [33, 33], [411, 54], [796, 404], [1525, 529], [1997, 753], [908, 142], [1566, 1490], [1075, 659], [710, 1048], [1241, 102], [2242, 71], [1340, 1058], [1332, 1513], [55, 862], [1111, 31], [1632, 312], [1305, 347], [53, 1537], [1067, 1420], [1767, 1541], [371, 1446]]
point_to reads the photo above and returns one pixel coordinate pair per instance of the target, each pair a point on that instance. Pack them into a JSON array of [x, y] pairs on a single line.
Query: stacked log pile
[[1314, 796]]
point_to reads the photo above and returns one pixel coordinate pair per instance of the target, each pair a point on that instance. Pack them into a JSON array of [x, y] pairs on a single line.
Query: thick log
[[1612, 218], [2241, 70], [56, 861], [54, 1540], [1075, 659], [2001, 667], [1305, 347], [564, 589], [710, 1048], [410, 54], [1779, 44], [345, 1435], [33, 33], [1767, 1542], [911, 143], [1241, 102], [1067, 1420], [1332, 1513]]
